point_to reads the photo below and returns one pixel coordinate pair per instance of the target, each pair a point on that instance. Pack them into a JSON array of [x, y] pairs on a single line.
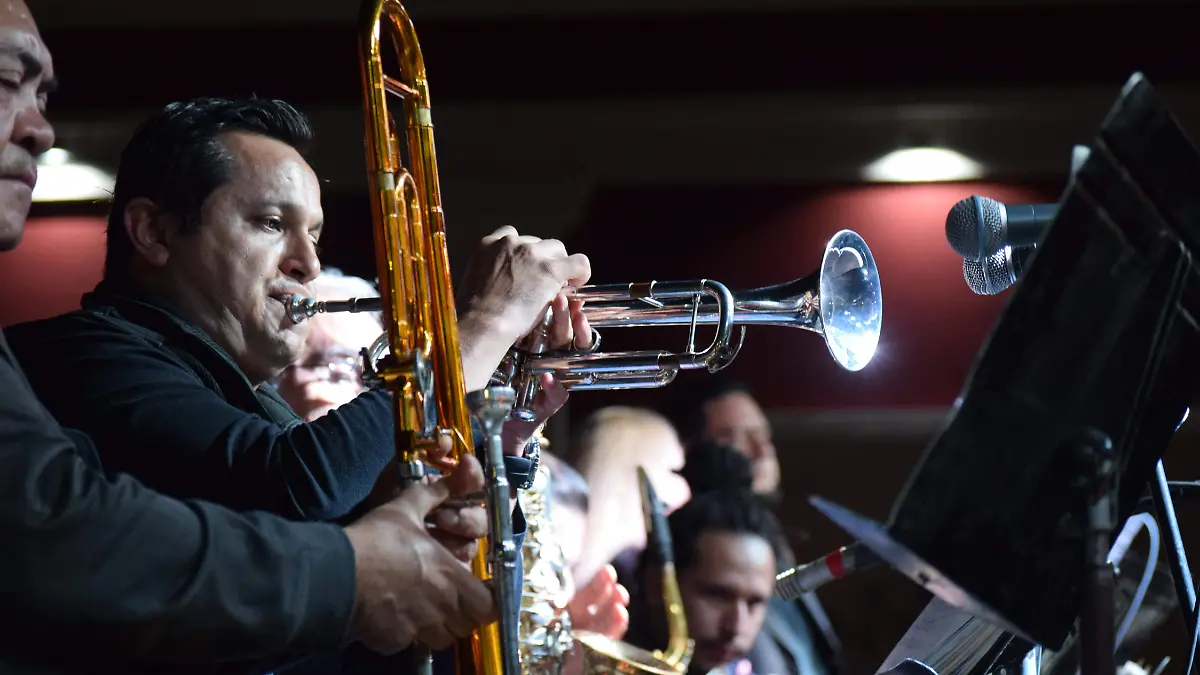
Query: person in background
[[722, 411], [718, 408], [790, 643], [328, 373], [725, 559], [601, 604], [614, 441]]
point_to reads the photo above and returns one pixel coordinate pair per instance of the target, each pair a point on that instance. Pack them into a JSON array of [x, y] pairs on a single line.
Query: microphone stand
[[1095, 452]]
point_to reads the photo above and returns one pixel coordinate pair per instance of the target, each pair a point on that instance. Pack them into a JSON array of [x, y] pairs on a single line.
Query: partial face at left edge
[[26, 79]]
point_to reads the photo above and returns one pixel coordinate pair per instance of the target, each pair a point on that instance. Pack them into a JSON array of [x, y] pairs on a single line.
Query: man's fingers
[[550, 248], [469, 523], [475, 598], [576, 269], [425, 497], [460, 548], [460, 626], [620, 625], [553, 394], [581, 328], [445, 446], [466, 478], [500, 233], [560, 333], [622, 595]]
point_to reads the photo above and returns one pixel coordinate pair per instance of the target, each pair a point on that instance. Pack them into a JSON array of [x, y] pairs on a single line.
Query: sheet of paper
[[935, 625]]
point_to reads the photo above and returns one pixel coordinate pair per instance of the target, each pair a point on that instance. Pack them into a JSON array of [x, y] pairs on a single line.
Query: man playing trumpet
[[215, 223]]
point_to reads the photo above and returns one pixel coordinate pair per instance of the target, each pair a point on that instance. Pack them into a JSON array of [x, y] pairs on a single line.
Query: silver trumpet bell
[[841, 300]]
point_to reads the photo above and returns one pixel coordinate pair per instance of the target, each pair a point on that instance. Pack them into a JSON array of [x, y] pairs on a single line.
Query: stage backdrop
[[59, 260]]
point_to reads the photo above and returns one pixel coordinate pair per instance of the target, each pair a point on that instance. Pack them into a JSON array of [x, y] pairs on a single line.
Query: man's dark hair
[[734, 511], [686, 408], [176, 160], [713, 466]]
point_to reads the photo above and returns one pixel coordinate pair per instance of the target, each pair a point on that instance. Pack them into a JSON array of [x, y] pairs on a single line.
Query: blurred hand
[[409, 587], [602, 606]]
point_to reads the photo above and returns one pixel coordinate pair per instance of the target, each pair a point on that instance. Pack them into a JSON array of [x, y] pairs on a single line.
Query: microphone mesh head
[[972, 220], [992, 274]]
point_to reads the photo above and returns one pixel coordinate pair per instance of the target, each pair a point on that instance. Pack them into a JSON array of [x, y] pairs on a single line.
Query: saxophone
[[603, 655], [546, 633], [545, 625]]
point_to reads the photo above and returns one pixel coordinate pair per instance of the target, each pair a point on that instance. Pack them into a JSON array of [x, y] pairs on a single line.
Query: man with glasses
[[329, 370]]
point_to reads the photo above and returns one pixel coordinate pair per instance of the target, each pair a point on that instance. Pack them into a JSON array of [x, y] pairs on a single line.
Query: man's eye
[[271, 223]]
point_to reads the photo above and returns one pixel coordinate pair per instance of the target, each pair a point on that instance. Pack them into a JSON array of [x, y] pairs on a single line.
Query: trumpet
[[840, 301]]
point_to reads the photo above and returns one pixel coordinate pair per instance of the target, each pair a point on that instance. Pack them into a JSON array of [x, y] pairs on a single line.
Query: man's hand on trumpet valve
[[511, 281], [568, 329]]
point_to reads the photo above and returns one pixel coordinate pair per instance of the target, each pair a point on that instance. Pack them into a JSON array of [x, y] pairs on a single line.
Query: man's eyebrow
[[33, 67]]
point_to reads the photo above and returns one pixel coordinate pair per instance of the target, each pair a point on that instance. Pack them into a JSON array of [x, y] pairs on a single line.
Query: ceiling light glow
[[923, 165], [62, 178]]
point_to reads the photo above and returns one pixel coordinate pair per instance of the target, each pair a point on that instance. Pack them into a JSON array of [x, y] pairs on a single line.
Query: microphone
[[806, 578], [998, 271], [978, 227]]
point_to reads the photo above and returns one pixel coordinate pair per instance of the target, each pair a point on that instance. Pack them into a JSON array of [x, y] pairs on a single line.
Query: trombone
[[841, 301], [424, 367]]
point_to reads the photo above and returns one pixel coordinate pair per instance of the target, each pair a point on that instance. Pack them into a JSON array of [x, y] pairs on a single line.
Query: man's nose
[[736, 616], [32, 131], [301, 262]]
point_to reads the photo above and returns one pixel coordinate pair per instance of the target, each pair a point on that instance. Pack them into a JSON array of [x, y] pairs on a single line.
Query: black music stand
[[1087, 374]]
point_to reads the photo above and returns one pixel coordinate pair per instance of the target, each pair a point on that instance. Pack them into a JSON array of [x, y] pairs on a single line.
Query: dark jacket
[[97, 571], [165, 403]]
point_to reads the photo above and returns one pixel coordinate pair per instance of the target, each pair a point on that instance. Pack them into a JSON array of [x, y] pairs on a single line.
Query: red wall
[[933, 326], [58, 261]]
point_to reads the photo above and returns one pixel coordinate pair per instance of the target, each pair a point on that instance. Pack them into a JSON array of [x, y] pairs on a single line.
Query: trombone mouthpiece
[[300, 308]]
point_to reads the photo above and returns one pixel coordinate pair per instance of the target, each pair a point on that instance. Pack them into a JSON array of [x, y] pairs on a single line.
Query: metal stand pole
[[1096, 621], [1164, 510]]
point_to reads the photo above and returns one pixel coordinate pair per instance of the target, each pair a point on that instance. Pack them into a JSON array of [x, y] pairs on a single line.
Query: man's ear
[[149, 231]]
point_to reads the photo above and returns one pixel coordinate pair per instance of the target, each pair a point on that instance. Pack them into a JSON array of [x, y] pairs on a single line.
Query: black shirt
[[100, 573]]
